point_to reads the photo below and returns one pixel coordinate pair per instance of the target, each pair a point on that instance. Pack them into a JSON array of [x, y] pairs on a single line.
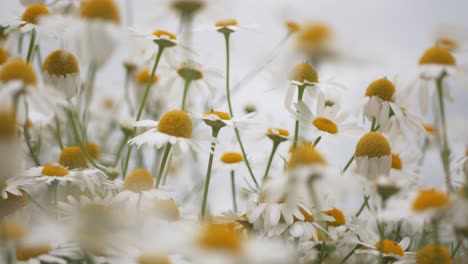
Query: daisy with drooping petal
[[373, 155], [62, 72]]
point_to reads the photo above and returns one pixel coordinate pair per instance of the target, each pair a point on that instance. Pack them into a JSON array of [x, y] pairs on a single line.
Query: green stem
[[163, 164], [457, 247], [272, 154], [348, 164], [349, 254], [364, 204], [31, 46], [317, 140], [120, 149], [59, 133], [215, 131], [184, 97], [233, 189], [128, 73], [445, 150], [27, 137], [300, 94], [142, 105], [166, 169], [228, 96], [38, 56]]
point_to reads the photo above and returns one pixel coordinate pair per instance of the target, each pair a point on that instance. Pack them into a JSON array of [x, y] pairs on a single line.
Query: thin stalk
[[457, 247], [89, 89], [348, 164], [127, 92], [364, 204], [300, 94], [233, 189], [142, 105], [317, 140], [59, 133], [53, 196], [187, 83], [349, 254], [215, 131], [445, 150], [228, 96], [120, 149], [163, 164], [272, 154], [166, 169], [31, 46], [27, 137], [38, 56]]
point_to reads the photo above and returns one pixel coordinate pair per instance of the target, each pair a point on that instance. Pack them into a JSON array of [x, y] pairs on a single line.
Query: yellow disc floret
[[433, 254], [24, 253], [382, 88], [437, 55], [325, 124], [93, 150], [167, 209], [176, 123], [33, 12], [308, 217], [221, 115], [3, 55], [278, 131], [338, 215], [221, 237], [139, 180], [314, 37], [73, 158], [226, 22], [372, 145], [143, 76], [305, 154], [304, 72], [61, 62], [232, 157], [18, 70], [151, 257], [106, 10], [388, 246], [430, 199], [12, 230], [54, 171], [8, 124], [397, 164], [292, 26], [163, 33]]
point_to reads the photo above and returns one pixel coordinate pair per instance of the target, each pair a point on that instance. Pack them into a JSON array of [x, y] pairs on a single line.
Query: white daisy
[[386, 247], [373, 155], [227, 26], [219, 118], [29, 20], [61, 71], [15, 186], [452, 37]]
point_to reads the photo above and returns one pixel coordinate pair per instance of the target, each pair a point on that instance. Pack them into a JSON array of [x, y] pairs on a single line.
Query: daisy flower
[[138, 256], [452, 37], [174, 127], [29, 20], [17, 70], [160, 37], [14, 186], [219, 118], [429, 254], [386, 247], [228, 26], [315, 40], [62, 72], [373, 155]]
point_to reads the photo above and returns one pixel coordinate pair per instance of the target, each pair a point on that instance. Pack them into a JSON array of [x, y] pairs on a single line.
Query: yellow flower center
[[433, 254], [232, 157], [292, 26], [106, 10], [437, 55], [143, 76], [305, 154], [396, 162], [93, 150], [3, 55], [176, 123], [73, 158], [372, 145], [382, 88], [54, 171], [24, 253], [167, 209], [12, 230], [312, 38], [8, 128], [139, 180], [222, 115], [189, 73], [388, 246], [325, 124], [151, 257], [187, 7], [221, 237], [163, 33], [430, 199], [61, 62], [449, 44], [226, 22], [308, 217], [33, 12], [278, 131], [18, 70], [429, 128], [14, 202], [338, 215], [304, 72]]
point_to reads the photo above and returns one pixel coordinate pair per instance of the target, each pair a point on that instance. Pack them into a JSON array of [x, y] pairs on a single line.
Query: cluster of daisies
[[163, 167]]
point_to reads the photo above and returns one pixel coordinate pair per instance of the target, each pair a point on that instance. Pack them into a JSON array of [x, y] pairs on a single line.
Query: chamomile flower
[[17, 70], [386, 247], [230, 25], [315, 39], [452, 37], [46, 252], [174, 127], [62, 72], [373, 155], [14, 186], [29, 20], [219, 118], [160, 37]]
